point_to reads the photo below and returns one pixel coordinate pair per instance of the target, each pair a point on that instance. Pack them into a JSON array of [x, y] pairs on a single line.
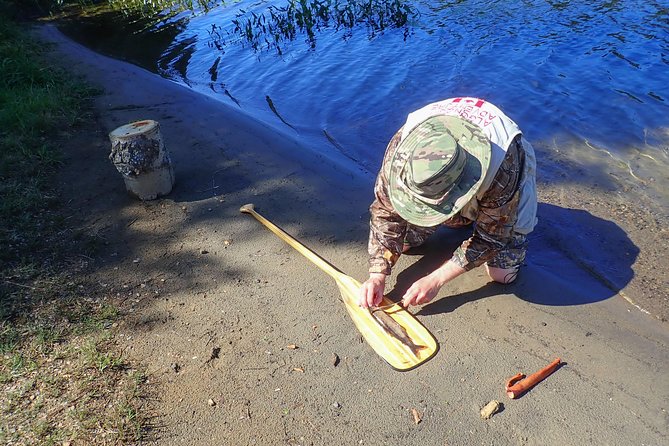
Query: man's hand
[[371, 292], [423, 290]]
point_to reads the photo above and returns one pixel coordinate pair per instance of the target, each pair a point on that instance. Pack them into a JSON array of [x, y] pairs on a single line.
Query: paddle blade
[[399, 355]]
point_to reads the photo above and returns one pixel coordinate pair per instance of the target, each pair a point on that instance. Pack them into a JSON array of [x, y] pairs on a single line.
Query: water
[[587, 81]]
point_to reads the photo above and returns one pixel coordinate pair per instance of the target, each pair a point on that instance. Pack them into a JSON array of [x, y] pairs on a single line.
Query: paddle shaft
[[299, 247]]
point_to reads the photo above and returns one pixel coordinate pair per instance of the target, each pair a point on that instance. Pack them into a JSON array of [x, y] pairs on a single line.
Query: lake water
[[587, 81]]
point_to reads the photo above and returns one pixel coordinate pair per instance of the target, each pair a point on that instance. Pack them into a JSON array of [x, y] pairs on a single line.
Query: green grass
[[36, 102], [62, 377]]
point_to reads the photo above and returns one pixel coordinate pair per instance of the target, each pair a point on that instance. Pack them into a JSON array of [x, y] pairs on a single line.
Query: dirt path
[[215, 299]]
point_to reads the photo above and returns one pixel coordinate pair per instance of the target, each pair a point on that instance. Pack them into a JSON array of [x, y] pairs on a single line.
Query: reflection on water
[[278, 24], [155, 11], [586, 80]]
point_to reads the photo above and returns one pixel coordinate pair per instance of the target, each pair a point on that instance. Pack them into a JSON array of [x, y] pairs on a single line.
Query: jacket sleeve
[[386, 228], [497, 213]]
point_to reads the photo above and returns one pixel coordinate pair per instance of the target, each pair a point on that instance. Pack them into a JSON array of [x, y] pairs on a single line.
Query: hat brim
[[478, 151]]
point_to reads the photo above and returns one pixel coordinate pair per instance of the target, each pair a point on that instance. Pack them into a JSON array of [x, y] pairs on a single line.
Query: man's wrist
[[448, 271], [379, 266], [377, 276]]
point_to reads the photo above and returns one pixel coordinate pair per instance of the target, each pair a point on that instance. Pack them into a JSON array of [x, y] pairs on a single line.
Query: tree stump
[[140, 156]]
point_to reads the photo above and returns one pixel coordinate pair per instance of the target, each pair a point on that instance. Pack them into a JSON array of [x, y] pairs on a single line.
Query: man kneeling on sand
[[453, 163]]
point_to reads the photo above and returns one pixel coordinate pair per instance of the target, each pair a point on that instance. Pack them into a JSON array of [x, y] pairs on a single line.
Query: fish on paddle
[[394, 329]]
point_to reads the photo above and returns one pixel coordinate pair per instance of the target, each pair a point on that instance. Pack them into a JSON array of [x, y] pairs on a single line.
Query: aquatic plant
[[161, 9], [281, 24]]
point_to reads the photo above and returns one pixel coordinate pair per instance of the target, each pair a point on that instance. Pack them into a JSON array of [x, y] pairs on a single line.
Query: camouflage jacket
[[496, 214]]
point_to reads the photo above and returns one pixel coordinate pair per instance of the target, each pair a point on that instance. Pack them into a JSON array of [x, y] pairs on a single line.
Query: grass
[[36, 102], [62, 378]]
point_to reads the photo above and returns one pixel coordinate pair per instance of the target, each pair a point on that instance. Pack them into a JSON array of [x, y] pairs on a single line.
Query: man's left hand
[[422, 291]]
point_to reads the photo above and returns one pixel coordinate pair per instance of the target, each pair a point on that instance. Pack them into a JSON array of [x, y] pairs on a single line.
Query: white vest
[[501, 131]]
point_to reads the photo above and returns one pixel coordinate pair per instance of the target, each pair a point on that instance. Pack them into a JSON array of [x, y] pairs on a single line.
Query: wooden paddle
[[400, 355]]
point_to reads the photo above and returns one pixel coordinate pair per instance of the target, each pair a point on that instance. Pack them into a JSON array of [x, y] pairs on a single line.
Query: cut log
[[139, 154]]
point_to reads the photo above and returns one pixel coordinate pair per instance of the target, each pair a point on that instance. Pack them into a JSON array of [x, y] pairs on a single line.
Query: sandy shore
[[214, 299]]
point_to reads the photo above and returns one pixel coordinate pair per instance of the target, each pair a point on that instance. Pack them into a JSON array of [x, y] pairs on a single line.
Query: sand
[[238, 331]]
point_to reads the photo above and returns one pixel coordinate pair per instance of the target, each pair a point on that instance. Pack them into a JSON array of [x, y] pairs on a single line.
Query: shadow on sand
[[584, 258]]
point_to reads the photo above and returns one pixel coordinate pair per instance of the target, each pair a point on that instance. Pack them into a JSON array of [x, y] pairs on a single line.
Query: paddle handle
[[299, 247]]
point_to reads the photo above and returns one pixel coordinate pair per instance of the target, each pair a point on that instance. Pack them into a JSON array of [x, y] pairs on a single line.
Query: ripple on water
[[589, 77]]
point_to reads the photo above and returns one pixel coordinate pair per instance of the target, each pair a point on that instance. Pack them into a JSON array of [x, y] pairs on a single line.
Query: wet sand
[[215, 294]]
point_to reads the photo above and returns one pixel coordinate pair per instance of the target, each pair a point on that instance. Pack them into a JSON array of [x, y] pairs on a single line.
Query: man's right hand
[[371, 292]]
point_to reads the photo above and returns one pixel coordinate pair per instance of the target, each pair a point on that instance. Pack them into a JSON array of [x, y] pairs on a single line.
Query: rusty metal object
[[519, 384]]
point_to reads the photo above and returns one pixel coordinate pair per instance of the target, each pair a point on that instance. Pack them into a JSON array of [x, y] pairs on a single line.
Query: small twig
[[18, 284], [131, 223], [69, 404], [213, 180], [207, 190]]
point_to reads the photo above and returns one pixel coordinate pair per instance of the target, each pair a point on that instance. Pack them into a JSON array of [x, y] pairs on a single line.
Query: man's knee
[[502, 275]]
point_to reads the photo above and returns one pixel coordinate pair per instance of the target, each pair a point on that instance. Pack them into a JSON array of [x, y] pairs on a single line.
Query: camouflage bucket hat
[[436, 169]]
